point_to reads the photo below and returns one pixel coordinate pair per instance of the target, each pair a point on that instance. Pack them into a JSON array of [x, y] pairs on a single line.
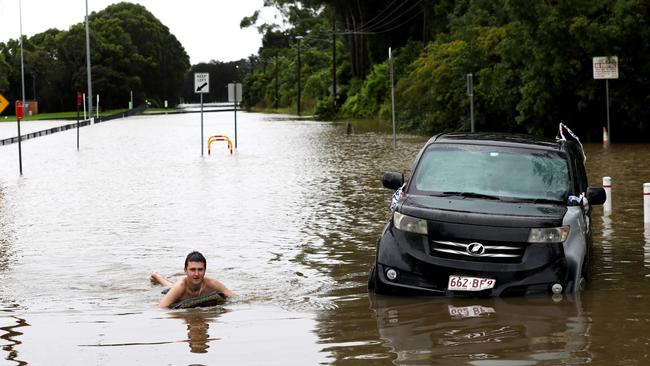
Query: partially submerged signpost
[[234, 96], [606, 68], [19, 116], [201, 86], [79, 97]]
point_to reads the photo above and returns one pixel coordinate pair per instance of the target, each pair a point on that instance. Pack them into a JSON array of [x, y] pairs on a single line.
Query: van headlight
[[410, 224], [548, 235]]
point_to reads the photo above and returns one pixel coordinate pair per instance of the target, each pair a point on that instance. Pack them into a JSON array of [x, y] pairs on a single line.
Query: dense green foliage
[[131, 50], [531, 63]]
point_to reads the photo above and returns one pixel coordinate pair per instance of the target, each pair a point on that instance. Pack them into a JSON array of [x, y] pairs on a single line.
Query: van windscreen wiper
[[542, 201], [471, 195]]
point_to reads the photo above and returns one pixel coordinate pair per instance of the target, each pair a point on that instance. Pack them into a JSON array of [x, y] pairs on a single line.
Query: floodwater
[[289, 222]]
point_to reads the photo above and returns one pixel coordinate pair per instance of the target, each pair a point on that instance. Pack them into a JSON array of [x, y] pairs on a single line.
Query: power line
[[380, 14], [401, 24], [377, 28], [384, 30], [388, 17]]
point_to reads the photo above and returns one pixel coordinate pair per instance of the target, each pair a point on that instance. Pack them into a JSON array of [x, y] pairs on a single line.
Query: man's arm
[[173, 295], [215, 285]]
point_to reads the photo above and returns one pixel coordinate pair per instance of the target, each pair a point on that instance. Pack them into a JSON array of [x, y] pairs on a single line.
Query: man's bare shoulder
[[175, 293], [212, 284]]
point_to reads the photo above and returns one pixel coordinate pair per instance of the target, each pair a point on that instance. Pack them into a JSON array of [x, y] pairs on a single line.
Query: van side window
[[581, 173]]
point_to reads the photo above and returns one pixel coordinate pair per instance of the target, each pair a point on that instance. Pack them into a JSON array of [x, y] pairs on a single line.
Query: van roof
[[497, 139]]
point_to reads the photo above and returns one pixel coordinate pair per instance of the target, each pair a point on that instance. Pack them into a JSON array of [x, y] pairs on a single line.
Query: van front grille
[[479, 251]]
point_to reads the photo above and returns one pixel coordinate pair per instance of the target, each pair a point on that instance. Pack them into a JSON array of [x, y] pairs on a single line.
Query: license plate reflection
[[470, 311]]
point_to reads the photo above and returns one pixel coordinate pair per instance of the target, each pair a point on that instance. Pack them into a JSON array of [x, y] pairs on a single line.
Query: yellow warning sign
[[3, 103]]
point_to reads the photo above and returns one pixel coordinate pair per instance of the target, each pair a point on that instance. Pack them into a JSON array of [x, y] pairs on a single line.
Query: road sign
[[3, 103], [331, 90], [234, 92], [19, 109], [605, 67], [201, 82]]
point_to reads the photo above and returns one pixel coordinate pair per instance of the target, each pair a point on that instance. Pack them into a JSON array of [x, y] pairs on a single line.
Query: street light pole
[[88, 69], [276, 80], [299, 38], [22, 78]]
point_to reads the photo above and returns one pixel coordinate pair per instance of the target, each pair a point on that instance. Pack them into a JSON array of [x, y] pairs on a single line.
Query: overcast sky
[[208, 29]]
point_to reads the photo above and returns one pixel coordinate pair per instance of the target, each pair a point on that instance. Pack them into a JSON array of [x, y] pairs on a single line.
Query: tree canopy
[[131, 50], [531, 62]]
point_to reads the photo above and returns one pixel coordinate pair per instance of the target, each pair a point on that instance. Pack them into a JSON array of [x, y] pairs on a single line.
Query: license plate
[[470, 311], [463, 283]]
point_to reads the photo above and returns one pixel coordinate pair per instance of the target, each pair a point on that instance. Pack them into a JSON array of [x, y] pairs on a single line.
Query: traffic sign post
[[234, 96], [79, 98], [201, 82], [201, 86], [606, 68], [19, 116], [19, 110]]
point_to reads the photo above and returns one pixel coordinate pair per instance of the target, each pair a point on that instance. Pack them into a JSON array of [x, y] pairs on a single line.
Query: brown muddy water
[[289, 222]]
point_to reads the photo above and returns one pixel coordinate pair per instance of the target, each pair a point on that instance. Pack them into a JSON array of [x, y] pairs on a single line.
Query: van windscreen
[[503, 172]]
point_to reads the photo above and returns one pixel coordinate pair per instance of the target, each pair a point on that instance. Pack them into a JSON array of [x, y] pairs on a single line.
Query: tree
[[135, 51], [130, 50], [4, 71]]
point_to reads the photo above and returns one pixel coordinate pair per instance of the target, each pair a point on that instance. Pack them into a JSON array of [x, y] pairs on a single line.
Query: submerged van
[[489, 215]]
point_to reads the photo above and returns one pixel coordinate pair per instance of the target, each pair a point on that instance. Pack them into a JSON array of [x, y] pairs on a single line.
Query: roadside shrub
[[324, 109]]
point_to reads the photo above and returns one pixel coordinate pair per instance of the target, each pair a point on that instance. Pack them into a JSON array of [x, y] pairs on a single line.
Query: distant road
[[194, 108]]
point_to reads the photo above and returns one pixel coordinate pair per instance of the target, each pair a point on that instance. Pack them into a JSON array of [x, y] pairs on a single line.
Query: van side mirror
[[393, 180], [596, 196]]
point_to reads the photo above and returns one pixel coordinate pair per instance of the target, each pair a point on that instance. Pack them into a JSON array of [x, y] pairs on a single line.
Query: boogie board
[[211, 299]]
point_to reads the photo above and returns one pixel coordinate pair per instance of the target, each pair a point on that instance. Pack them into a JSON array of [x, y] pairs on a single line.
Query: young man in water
[[194, 283]]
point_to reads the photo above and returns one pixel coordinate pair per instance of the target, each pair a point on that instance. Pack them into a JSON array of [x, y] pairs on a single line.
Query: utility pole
[[334, 59], [22, 78], [88, 69], [299, 38], [392, 96], [276, 80], [470, 94]]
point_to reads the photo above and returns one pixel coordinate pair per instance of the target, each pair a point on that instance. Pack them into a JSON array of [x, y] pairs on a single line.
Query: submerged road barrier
[[646, 203], [214, 138], [607, 185], [49, 131]]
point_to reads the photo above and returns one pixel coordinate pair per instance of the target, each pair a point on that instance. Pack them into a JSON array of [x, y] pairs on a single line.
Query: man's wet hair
[[195, 257]]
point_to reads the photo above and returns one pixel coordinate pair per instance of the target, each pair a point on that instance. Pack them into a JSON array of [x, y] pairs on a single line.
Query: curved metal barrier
[[214, 138]]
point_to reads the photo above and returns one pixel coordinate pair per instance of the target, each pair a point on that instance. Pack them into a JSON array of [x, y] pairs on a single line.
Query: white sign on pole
[[605, 67], [201, 82], [231, 92]]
